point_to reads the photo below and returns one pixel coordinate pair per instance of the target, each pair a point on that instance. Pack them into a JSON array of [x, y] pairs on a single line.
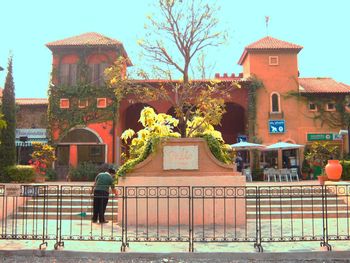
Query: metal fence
[[191, 215]]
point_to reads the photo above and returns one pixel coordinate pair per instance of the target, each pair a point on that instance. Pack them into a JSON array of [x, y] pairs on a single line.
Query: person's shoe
[[93, 221], [104, 222]]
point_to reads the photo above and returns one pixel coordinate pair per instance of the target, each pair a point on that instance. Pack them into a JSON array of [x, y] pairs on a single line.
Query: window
[[275, 103], [83, 103], [97, 73], [273, 60], [68, 74], [101, 102], [330, 106], [64, 103], [312, 106]]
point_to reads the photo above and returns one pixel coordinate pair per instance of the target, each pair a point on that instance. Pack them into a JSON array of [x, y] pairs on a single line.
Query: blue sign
[[242, 138], [277, 126]]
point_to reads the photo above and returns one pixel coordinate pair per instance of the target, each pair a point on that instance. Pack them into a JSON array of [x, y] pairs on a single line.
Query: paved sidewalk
[[77, 257]]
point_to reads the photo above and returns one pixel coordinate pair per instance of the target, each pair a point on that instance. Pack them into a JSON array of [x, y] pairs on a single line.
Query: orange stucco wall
[[104, 130], [281, 78]]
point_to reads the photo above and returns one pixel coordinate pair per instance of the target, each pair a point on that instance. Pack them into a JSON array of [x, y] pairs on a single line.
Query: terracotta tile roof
[[32, 101], [322, 85], [268, 43], [91, 39]]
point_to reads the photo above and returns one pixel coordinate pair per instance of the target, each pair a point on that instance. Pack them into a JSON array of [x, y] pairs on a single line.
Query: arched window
[[275, 102]]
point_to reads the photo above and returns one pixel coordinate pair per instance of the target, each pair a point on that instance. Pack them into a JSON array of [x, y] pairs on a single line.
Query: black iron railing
[[192, 215]]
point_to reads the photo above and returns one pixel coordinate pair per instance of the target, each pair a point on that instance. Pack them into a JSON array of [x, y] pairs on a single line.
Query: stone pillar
[[73, 155]]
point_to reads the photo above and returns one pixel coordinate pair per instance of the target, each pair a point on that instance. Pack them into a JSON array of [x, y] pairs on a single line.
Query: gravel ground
[[77, 257]]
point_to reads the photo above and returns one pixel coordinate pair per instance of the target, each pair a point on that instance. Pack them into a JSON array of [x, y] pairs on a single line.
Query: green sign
[[320, 137]]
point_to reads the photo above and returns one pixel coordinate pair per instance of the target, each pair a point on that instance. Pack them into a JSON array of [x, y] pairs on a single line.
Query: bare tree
[[175, 37]]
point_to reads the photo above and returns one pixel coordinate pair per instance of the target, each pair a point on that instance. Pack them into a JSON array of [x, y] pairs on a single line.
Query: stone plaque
[[12, 190], [180, 157]]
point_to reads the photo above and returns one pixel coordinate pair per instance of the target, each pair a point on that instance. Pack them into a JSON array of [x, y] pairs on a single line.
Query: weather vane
[[267, 18]]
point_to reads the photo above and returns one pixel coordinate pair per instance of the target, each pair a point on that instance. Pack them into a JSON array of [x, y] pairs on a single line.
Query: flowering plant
[[42, 157]]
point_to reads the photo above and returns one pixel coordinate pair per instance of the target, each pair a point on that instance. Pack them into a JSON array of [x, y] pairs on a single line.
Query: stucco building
[[83, 114]]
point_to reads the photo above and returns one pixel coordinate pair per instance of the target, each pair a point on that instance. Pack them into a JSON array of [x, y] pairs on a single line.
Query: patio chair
[[284, 175], [270, 175], [294, 174]]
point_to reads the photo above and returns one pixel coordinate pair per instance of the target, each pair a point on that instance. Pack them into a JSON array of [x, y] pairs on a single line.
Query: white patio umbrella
[[280, 146], [248, 146], [283, 146]]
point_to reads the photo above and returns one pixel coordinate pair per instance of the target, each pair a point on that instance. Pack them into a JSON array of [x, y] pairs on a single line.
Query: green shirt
[[103, 181]]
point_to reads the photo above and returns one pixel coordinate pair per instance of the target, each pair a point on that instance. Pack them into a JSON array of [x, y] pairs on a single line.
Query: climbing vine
[[334, 119], [253, 87], [64, 119]]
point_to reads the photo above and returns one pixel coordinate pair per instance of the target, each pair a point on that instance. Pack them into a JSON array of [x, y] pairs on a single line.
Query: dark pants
[[100, 204]]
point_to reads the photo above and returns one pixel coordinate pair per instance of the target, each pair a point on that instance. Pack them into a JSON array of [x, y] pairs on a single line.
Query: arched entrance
[[233, 122], [79, 146], [132, 116]]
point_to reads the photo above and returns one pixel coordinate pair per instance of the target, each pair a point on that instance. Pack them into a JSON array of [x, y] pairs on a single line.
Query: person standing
[[239, 162], [103, 182]]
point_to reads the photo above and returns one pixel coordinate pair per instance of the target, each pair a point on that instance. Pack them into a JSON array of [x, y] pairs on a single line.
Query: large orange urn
[[333, 170]]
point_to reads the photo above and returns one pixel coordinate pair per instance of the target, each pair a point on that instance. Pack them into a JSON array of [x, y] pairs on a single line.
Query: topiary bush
[[20, 173]]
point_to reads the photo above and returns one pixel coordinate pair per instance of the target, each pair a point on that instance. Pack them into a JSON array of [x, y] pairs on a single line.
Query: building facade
[[86, 124]]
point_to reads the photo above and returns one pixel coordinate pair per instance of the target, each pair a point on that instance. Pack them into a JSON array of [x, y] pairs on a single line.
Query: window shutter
[[95, 74], [64, 73], [73, 74], [101, 81], [90, 74]]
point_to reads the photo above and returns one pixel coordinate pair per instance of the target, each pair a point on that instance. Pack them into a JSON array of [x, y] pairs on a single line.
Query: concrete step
[[294, 209], [67, 202], [294, 202], [65, 209], [296, 215], [65, 216]]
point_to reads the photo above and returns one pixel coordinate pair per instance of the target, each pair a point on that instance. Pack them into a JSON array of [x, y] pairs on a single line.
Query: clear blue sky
[[321, 26]]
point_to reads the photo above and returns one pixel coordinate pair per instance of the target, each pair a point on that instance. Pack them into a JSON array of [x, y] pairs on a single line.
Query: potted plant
[[42, 158], [306, 170], [319, 153]]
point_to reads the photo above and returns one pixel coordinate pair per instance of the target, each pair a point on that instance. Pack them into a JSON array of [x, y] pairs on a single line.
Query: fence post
[[191, 220], [325, 243], [257, 244], [124, 220], [45, 201], [59, 242]]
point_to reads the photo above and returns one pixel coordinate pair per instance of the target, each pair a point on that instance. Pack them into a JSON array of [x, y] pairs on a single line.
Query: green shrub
[[20, 173], [86, 171], [51, 175], [346, 170]]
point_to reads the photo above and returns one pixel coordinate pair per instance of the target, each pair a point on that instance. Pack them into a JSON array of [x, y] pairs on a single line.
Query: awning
[[30, 141]]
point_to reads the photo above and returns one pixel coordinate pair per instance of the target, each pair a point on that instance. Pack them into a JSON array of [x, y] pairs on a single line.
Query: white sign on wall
[[180, 157], [12, 190]]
